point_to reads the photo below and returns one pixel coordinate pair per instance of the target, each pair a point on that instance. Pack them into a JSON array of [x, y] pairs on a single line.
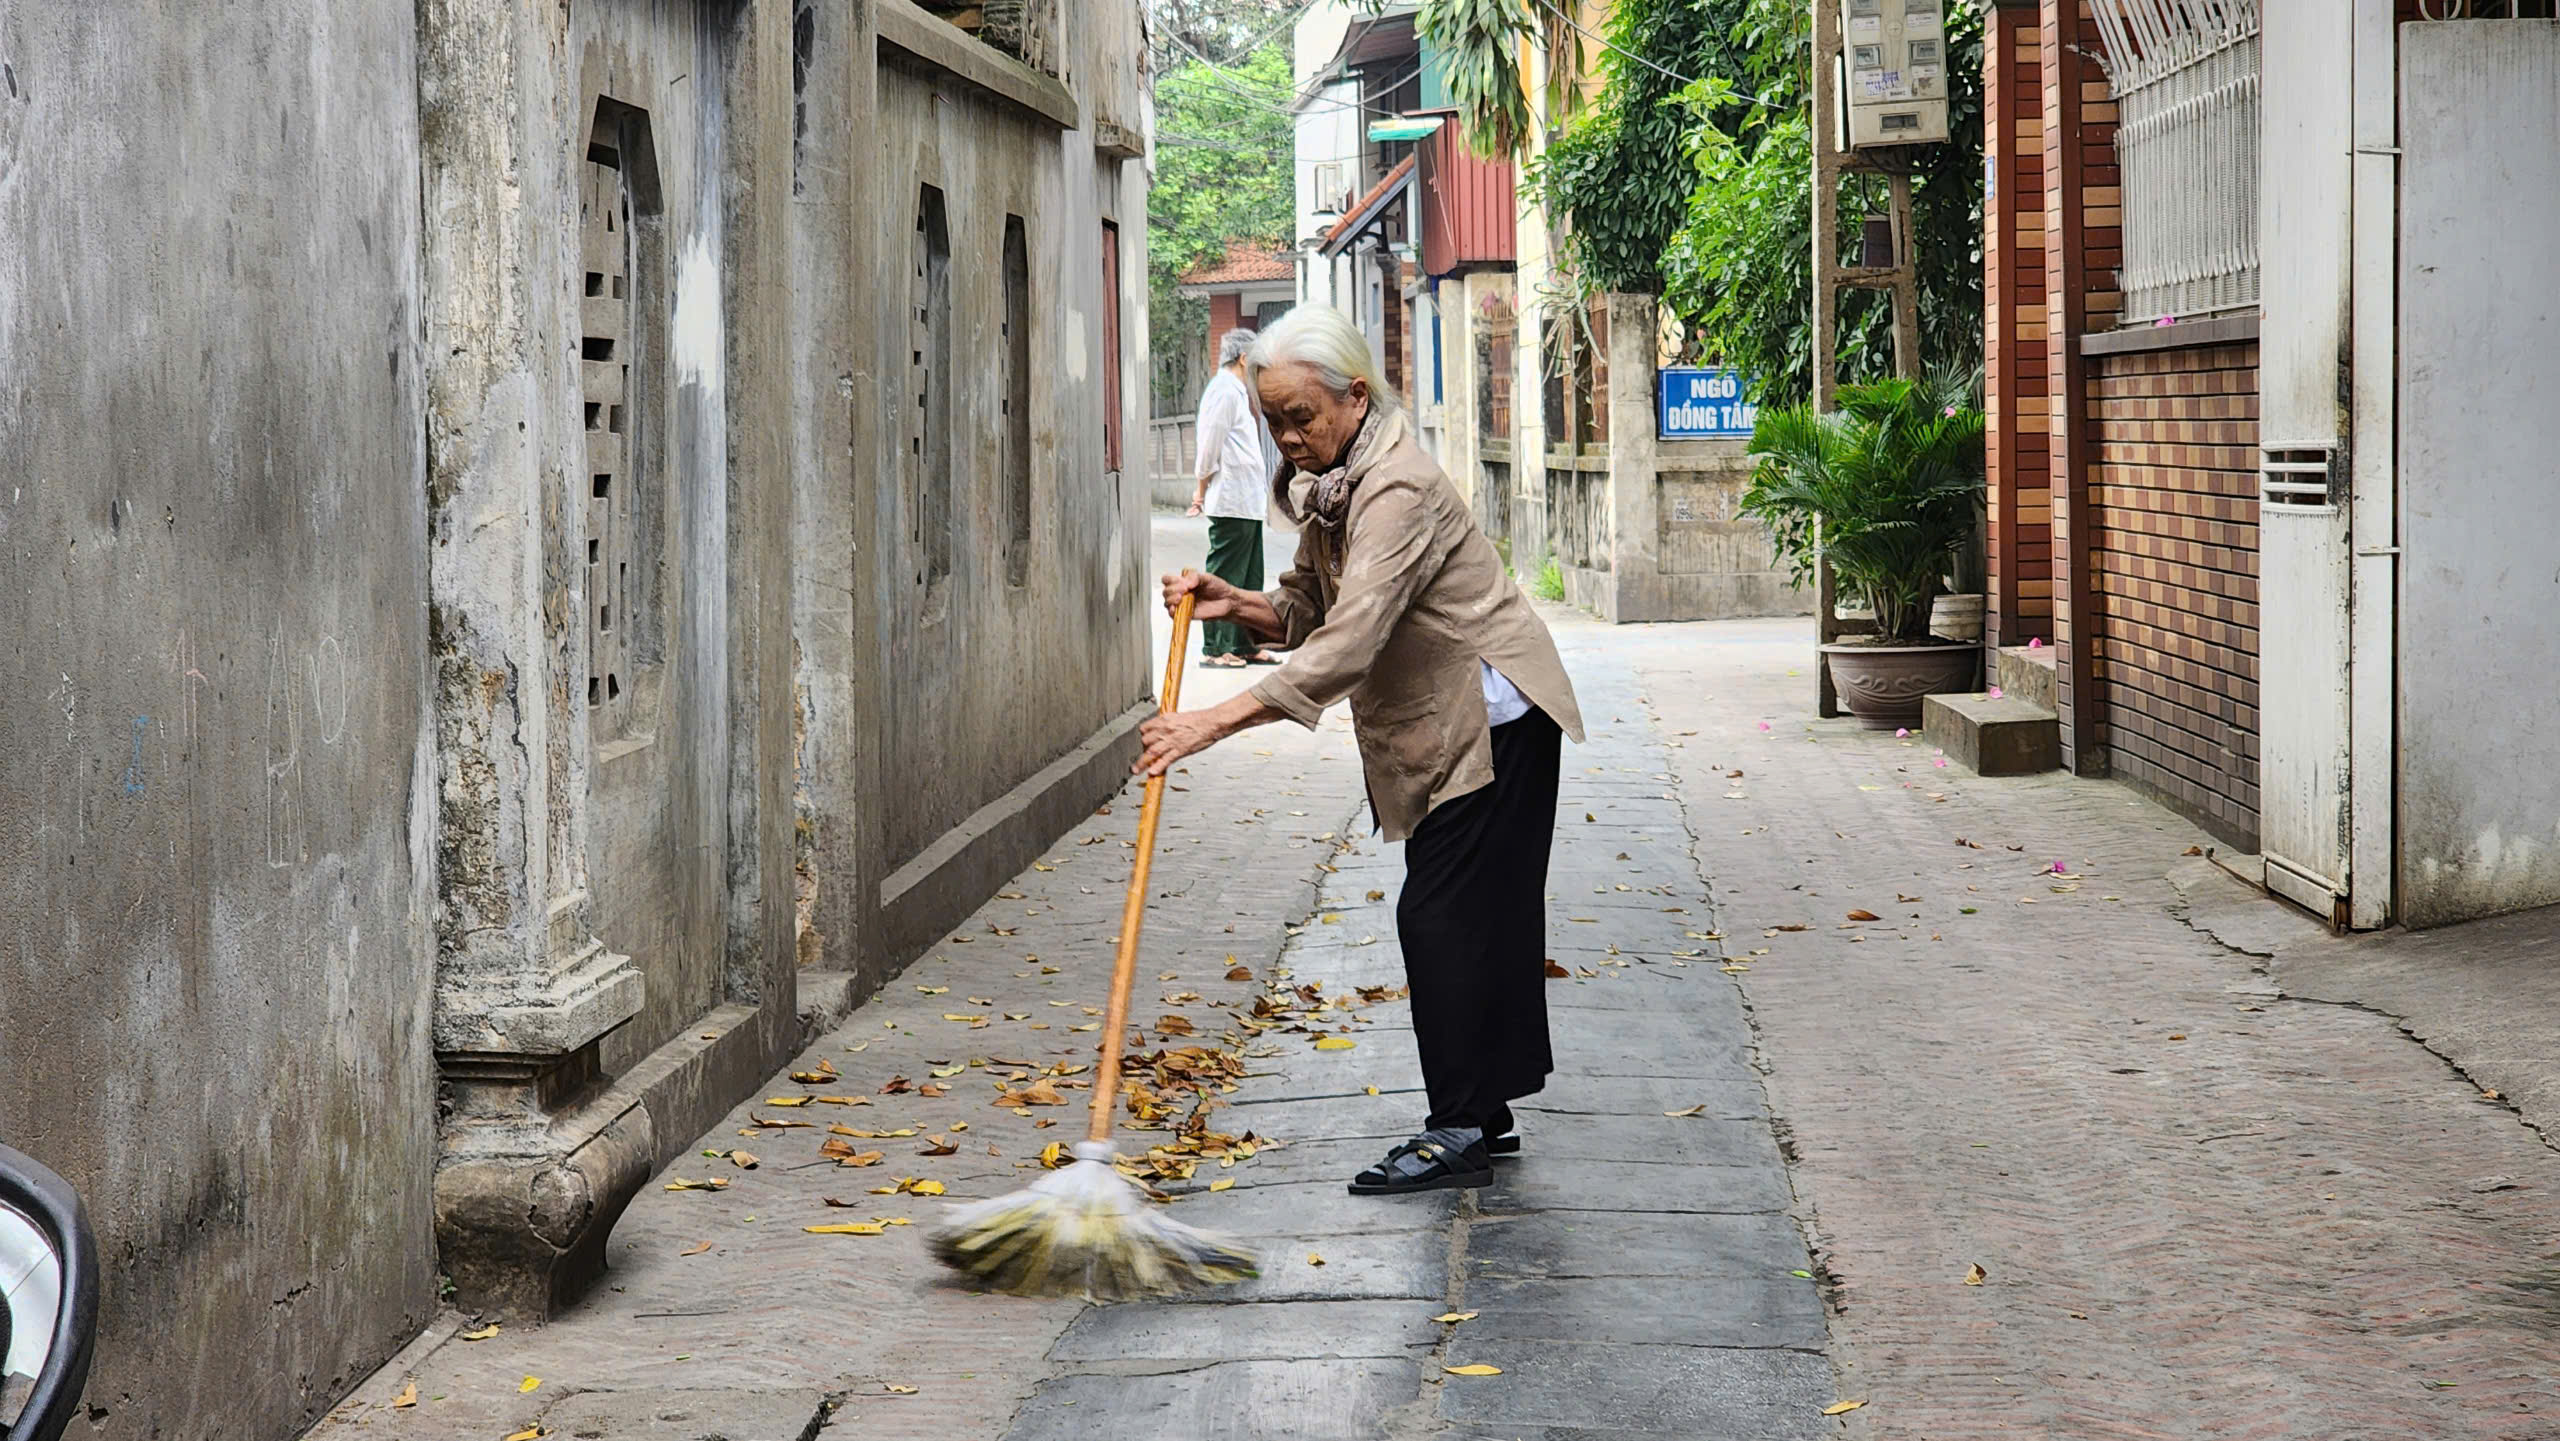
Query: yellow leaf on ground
[[924, 1188], [1053, 1155], [1377, 895], [1841, 1408], [1336, 1043], [1314, 1260], [786, 1100], [696, 1251], [1699, 1109], [1222, 1185], [845, 1228], [1458, 1316], [483, 1334], [529, 1383], [1479, 1369], [894, 1389], [1974, 1275], [530, 1433], [743, 1160], [716, 1183], [407, 1398]]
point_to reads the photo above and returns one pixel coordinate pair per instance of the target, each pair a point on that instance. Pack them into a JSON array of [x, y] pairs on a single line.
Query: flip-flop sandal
[[1420, 1165], [1225, 662], [1502, 1145]]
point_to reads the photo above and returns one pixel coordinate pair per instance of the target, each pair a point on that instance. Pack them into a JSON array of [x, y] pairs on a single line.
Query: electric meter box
[[1896, 54]]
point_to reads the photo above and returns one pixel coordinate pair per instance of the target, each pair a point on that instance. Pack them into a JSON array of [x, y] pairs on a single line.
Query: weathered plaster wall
[[215, 871], [954, 721]]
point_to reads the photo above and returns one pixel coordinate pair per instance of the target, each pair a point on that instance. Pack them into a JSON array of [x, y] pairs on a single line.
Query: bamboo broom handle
[[1124, 970]]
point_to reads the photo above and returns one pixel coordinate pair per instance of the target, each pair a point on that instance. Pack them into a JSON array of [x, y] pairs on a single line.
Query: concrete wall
[[954, 721], [216, 968]]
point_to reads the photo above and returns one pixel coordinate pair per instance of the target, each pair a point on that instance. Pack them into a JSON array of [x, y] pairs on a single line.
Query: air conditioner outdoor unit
[[1331, 194]]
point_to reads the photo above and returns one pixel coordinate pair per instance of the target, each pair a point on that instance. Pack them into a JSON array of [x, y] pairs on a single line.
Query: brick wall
[[2173, 487], [1226, 312], [2019, 546]]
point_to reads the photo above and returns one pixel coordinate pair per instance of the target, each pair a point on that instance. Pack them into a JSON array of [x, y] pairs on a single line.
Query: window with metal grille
[[929, 376], [2184, 74], [1016, 402]]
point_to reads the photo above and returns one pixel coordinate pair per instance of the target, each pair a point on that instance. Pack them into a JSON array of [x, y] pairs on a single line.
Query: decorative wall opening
[[929, 421], [1015, 403], [2185, 80], [1111, 406], [619, 504]]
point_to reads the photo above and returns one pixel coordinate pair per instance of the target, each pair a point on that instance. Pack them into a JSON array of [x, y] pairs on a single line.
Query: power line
[[1607, 44], [1238, 81]]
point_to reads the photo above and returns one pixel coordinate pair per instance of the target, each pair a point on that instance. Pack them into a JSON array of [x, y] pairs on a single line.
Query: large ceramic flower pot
[[1883, 684]]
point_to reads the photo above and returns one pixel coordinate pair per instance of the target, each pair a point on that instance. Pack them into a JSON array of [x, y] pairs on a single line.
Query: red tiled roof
[[1360, 208], [1245, 264]]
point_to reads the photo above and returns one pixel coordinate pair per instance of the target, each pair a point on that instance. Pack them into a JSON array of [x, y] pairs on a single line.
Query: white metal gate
[[2479, 779], [2304, 511]]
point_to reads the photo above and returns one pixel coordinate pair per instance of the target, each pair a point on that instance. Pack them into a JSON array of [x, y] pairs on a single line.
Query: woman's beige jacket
[[1394, 614]]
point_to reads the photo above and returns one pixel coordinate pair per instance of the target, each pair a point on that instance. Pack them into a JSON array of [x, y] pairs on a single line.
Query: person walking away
[[1398, 603], [1229, 486]]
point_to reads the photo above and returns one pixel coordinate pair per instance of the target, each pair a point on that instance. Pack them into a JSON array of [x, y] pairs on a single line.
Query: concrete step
[[2003, 737], [2026, 674]]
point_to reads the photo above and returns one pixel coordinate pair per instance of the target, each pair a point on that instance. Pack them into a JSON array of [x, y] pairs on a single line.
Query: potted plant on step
[[1885, 488]]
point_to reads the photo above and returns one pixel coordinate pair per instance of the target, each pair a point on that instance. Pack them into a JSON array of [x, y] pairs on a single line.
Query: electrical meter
[[1896, 54]]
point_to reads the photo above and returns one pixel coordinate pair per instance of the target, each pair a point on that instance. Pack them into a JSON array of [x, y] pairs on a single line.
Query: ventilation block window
[[604, 351], [929, 424], [1111, 405], [1015, 404]]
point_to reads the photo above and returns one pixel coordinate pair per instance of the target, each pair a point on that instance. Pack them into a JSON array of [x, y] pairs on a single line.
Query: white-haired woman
[[1397, 602], [1230, 486]]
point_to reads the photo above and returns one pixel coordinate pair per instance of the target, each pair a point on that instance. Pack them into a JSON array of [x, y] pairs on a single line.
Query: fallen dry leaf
[[1556, 972], [1377, 895], [696, 1251], [1478, 1369], [1336, 1043], [1241, 973], [743, 1160], [847, 1228], [2191, 851], [1458, 1316], [407, 1398], [716, 1183], [1699, 1109], [483, 1334], [930, 1089], [1222, 1185], [530, 1433], [530, 1382], [786, 1100], [1974, 1275], [937, 1146], [818, 1075], [1864, 915], [894, 1389], [1841, 1408], [1038, 1093], [1173, 1025], [1314, 1260]]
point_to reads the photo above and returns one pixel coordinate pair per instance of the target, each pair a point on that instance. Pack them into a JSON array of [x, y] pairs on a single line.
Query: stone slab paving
[[2205, 1208]]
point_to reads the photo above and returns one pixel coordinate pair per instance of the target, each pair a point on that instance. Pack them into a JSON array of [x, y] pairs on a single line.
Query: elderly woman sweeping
[[1397, 602]]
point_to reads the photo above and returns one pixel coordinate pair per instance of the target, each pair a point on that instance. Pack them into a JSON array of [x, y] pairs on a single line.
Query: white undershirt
[[1503, 702]]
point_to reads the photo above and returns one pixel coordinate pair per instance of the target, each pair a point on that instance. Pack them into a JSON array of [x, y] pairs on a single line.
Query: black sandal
[[1419, 1165], [1502, 1145]]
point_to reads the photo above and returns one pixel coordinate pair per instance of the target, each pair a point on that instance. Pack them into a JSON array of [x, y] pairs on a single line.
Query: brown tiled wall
[[2015, 393], [2173, 488]]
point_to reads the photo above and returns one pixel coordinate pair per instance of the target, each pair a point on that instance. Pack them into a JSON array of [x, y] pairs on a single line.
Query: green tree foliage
[[1738, 273], [1223, 172]]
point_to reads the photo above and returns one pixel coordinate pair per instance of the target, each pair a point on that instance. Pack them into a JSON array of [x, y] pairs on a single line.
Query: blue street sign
[[1704, 403]]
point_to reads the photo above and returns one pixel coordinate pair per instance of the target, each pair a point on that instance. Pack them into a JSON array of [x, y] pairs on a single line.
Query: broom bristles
[[1085, 1230]]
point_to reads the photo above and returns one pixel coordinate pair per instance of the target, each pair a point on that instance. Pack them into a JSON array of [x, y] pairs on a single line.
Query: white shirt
[[1503, 702], [1233, 451]]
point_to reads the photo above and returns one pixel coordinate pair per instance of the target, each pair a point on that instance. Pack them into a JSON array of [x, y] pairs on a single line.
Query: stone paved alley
[[2200, 1207]]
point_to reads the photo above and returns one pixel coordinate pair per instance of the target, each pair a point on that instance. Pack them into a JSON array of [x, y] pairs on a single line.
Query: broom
[[1087, 1229]]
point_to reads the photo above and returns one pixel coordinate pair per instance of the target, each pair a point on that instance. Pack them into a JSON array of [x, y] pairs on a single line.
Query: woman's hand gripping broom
[[1087, 1229]]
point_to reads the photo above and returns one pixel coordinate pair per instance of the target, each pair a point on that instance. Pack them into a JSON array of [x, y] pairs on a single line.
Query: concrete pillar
[[1634, 591]]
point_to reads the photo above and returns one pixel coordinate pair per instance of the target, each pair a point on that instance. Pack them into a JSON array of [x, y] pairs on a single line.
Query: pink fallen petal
[[1995, 692], [1902, 734], [2035, 642], [1764, 725], [2058, 869], [1940, 762]]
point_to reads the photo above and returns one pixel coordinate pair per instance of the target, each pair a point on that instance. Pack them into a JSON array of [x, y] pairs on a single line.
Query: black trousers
[[1473, 924]]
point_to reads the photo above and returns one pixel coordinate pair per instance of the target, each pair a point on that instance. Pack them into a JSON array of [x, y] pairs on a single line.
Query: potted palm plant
[[1886, 488]]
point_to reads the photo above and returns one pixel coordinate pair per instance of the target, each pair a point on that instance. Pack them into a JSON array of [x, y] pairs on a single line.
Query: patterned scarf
[[1324, 501]]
